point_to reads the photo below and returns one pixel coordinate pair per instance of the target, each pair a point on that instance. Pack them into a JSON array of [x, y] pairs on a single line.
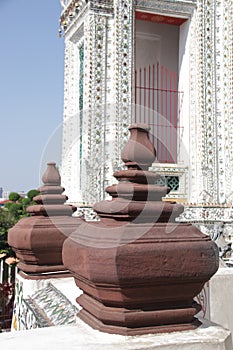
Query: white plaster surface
[[65, 285], [221, 297], [79, 337], [68, 288]]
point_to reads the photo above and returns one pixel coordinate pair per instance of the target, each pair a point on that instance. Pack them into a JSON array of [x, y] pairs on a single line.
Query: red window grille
[[158, 101]]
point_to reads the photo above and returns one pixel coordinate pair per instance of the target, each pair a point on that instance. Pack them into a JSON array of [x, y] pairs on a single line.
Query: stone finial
[[37, 240], [139, 270], [138, 152], [50, 201], [136, 195], [51, 176]]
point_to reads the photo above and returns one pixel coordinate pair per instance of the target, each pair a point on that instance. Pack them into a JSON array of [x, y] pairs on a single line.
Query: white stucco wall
[[160, 41]]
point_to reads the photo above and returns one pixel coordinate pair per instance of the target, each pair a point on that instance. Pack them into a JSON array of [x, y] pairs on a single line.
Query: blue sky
[[31, 90]]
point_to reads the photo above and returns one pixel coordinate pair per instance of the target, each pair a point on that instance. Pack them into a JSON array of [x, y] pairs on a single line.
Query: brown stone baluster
[[37, 240], [139, 269]]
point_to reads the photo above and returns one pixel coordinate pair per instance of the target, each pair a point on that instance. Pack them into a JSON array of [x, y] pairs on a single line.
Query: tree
[[7, 205], [16, 209], [32, 193], [25, 203], [10, 214], [7, 220], [14, 196]]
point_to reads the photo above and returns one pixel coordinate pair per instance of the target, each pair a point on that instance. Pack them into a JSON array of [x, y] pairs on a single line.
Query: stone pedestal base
[[36, 269], [44, 275], [124, 321], [80, 336]]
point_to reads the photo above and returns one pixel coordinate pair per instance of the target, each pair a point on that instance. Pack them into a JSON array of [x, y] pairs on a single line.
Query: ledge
[[209, 336]]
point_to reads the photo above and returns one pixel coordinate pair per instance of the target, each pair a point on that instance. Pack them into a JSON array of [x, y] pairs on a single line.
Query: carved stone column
[[70, 170], [211, 65], [124, 61], [37, 240], [106, 30], [139, 270], [95, 61]]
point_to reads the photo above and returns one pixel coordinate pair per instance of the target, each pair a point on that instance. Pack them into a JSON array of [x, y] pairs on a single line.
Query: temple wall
[[205, 77]]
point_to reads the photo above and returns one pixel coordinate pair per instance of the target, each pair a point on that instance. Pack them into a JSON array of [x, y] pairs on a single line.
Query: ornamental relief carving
[[184, 8], [211, 99], [210, 92], [224, 39], [124, 62], [102, 7], [70, 113], [211, 118], [206, 19], [94, 99]]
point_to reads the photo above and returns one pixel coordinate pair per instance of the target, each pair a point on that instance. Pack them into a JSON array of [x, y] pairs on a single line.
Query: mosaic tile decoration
[[23, 316], [170, 181], [50, 306]]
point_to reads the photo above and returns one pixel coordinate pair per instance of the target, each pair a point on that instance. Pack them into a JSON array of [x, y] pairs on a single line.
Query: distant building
[[1, 192], [22, 193], [5, 194]]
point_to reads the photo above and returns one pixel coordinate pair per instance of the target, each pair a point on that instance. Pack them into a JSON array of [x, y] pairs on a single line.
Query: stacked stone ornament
[[37, 240], [139, 269]]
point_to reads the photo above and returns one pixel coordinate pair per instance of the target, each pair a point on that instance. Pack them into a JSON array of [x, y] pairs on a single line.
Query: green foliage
[[7, 220], [32, 193], [26, 201], [14, 196], [7, 205], [16, 209], [10, 214]]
